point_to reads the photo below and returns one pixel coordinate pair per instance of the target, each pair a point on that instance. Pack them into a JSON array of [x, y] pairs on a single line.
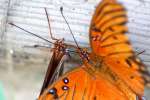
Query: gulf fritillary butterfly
[[112, 71]]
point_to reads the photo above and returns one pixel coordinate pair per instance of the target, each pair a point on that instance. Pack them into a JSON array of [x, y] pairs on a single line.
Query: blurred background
[[22, 68]]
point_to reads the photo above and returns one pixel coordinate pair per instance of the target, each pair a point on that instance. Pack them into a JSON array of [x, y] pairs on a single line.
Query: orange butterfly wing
[[80, 85], [110, 44]]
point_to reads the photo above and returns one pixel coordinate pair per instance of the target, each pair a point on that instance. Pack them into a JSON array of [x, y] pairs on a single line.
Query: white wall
[[30, 15]]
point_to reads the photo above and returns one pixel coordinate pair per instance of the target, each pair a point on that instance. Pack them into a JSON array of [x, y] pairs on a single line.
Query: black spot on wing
[[95, 98], [128, 62], [94, 28], [66, 80], [65, 88], [53, 91], [118, 62], [131, 77]]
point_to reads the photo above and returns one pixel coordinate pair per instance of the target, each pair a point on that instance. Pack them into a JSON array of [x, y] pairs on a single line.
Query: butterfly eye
[[65, 88], [66, 80]]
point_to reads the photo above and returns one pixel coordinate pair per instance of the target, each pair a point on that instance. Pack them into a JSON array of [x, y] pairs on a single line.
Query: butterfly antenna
[[49, 25], [83, 53], [141, 52], [36, 46], [61, 10], [31, 33]]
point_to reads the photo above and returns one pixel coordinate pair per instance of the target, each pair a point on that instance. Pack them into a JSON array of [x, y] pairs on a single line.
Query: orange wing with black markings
[[79, 85], [111, 45]]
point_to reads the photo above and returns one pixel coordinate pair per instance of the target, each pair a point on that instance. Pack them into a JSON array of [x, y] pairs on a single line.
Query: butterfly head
[[60, 46]]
